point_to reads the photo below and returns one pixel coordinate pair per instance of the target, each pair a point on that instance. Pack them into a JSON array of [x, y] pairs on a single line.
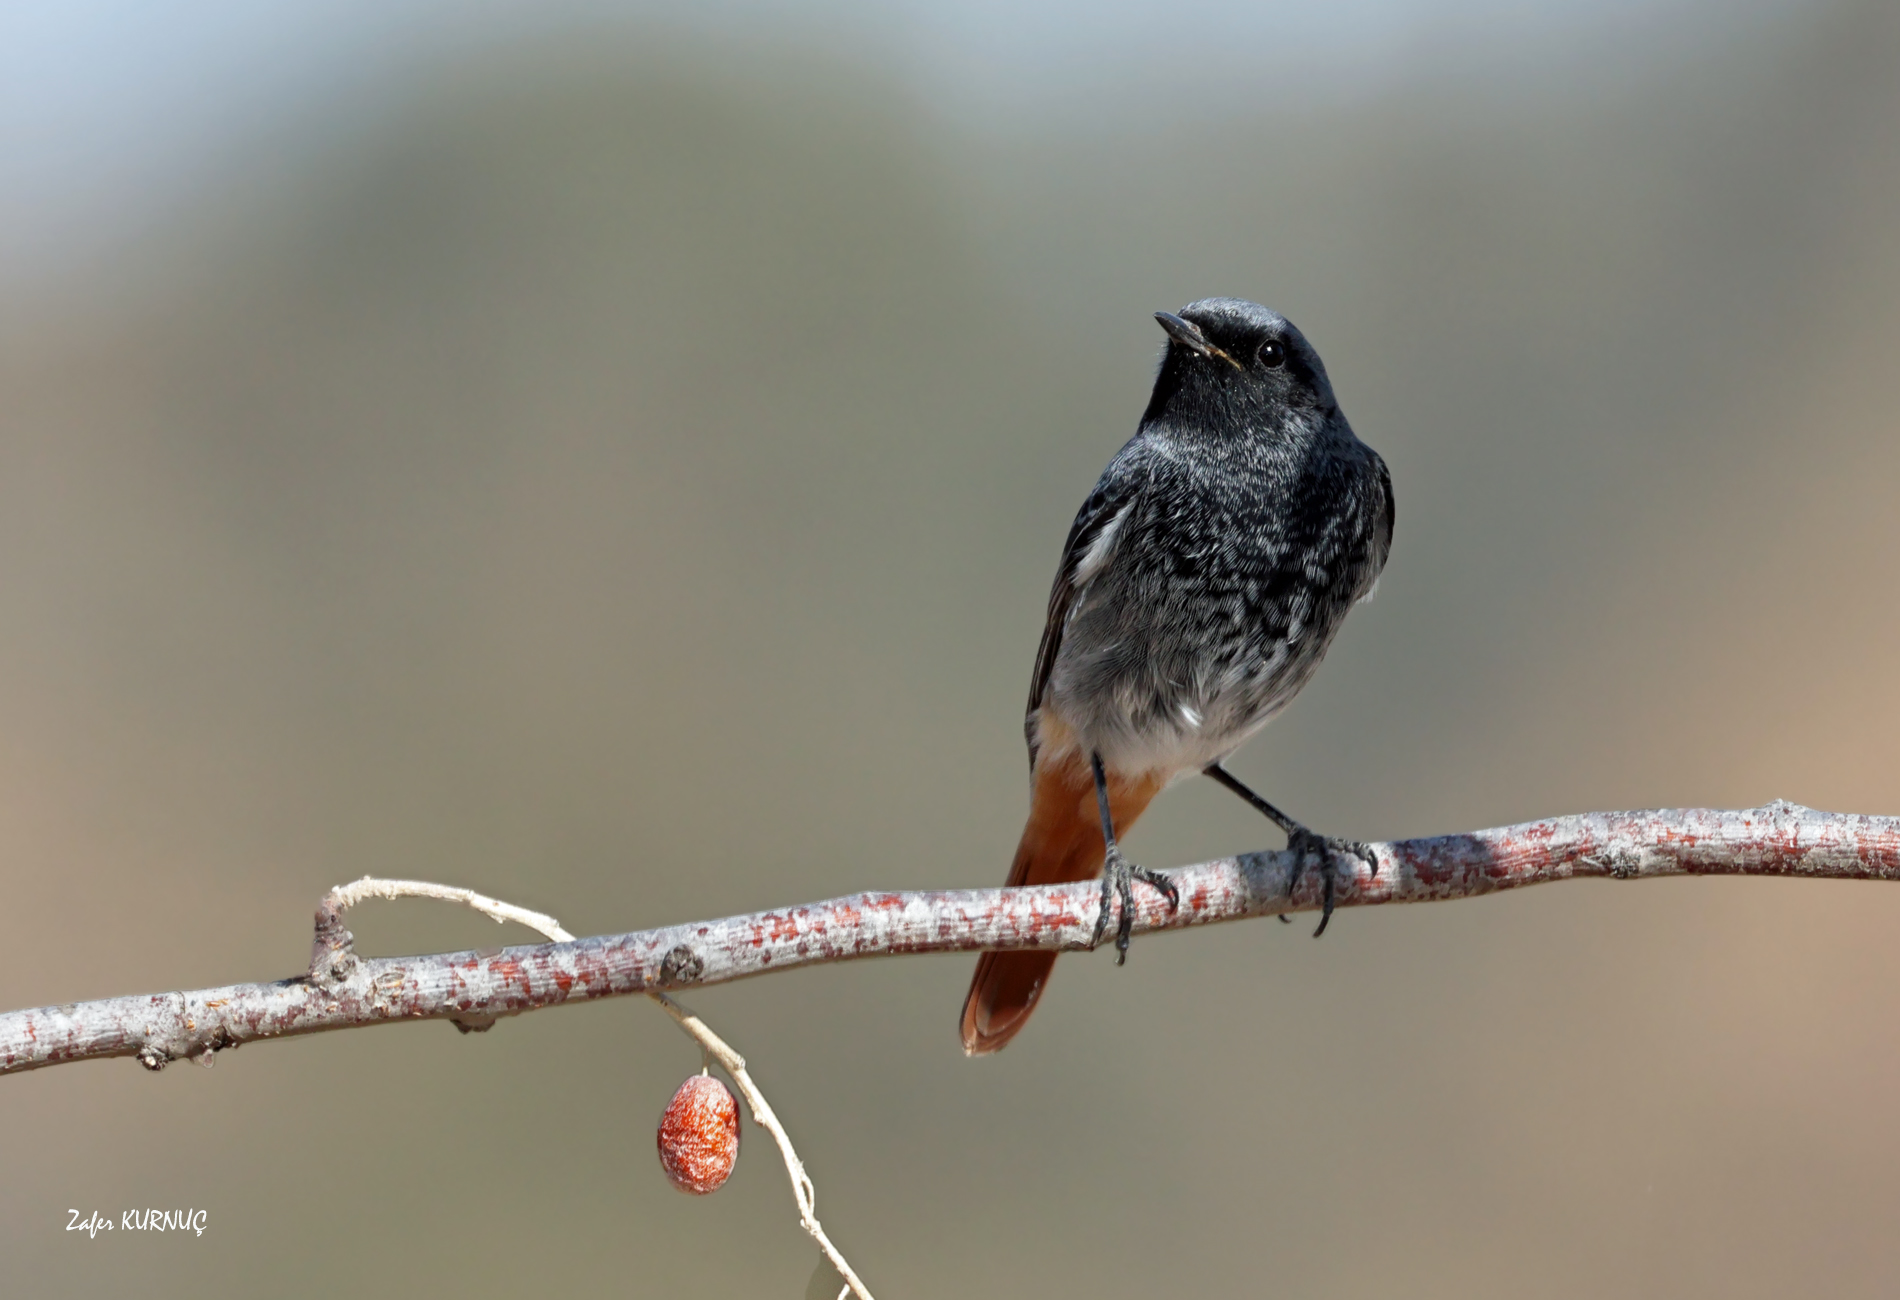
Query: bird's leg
[[1302, 843], [1119, 874]]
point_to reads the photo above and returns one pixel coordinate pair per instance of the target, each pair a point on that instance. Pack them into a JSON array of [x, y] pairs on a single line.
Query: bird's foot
[[1118, 882], [1305, 844]]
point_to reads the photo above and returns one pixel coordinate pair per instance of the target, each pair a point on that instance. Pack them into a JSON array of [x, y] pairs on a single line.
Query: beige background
[[624, 476]]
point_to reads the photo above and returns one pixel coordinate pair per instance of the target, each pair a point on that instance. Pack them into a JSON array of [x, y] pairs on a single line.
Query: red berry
[[699, 1135]]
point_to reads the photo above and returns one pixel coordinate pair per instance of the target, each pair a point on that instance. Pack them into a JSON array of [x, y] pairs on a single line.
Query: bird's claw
[[1304, 844], [1118, 882]]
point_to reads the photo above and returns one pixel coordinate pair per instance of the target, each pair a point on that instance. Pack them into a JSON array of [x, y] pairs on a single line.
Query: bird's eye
[[1272, 355]]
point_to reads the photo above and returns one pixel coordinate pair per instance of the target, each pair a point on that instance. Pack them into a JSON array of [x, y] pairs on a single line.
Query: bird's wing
[[1091, 542], [1382, 528]]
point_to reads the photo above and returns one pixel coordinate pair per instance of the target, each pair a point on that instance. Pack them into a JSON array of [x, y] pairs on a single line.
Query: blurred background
[[614, 458]]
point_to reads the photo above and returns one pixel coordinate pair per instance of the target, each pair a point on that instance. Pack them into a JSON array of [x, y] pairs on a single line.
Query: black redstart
[[1201, 583]]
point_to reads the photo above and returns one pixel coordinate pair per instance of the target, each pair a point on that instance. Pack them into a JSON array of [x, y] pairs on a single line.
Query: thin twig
[[802, 1190], [474, 989], [344, 897]]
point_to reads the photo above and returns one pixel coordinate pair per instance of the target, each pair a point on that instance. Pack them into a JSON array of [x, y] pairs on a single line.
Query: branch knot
[[681, 965]]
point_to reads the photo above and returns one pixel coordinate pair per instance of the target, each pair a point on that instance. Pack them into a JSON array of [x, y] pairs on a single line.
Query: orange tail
[[1062, 842]]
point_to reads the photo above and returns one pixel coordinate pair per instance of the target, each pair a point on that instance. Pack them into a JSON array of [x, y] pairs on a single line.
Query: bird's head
[[1230, 358]]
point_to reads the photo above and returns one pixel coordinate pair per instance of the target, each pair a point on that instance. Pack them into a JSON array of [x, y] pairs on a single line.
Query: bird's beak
[[1186, 334], [1189, 336]]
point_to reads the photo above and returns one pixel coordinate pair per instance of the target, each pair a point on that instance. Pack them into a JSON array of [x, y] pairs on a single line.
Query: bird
[[1202, 581]]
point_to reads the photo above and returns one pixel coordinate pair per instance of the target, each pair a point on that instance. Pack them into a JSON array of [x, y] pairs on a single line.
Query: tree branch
[[473, 989]]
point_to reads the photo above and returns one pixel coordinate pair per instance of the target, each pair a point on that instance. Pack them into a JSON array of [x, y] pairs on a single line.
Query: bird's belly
[[1174, 714]]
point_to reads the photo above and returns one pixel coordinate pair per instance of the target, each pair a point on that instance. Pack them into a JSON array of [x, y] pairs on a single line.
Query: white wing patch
[[1099, 550], [1371, 591]]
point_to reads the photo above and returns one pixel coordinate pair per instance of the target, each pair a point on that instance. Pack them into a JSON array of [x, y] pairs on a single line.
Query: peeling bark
[[473, 989]]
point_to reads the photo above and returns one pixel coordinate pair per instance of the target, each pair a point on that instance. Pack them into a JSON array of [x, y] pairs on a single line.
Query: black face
[[1233, 354]]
